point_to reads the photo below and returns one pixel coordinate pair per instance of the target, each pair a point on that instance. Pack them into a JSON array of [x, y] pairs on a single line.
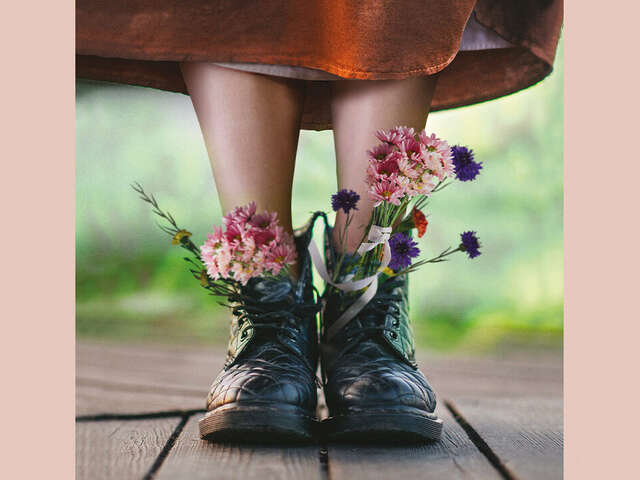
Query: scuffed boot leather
[[372, 384], [267, 388]]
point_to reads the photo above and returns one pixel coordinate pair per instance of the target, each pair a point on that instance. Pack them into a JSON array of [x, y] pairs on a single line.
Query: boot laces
[[284, 318], [372, 318]]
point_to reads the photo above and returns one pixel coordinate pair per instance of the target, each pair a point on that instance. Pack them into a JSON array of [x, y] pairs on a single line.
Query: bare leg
[[250, 124], [359, 108]]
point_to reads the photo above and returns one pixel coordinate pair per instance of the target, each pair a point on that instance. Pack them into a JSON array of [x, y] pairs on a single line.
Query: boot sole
[[245, 424], [383, 426]]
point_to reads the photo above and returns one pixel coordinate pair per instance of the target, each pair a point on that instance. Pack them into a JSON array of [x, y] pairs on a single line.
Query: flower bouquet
[[404, 170], [248, 245]]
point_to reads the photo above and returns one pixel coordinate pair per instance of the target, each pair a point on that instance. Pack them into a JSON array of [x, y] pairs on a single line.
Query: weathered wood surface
[[516, 407], [453, 457], [525, 433], [513, 405], [133, 379], [142, 379], [195, 459], [120, 449]]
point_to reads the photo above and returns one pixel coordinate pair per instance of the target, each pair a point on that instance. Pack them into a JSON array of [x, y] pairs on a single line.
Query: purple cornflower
[[465, 168], [470, 244], [345, 200], [403, 249]]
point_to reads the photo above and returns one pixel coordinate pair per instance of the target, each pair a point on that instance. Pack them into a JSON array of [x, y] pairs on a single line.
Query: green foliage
[[133, 284]]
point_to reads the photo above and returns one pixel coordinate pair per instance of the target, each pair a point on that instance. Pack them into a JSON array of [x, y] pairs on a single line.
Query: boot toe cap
[[382, 384], [259, 381]]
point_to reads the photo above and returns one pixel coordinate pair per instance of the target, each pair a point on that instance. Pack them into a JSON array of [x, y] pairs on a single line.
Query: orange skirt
[[142, 42]]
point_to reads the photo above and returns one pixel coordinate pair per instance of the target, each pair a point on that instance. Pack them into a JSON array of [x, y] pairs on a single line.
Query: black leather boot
[[372, 385], [267, 388]]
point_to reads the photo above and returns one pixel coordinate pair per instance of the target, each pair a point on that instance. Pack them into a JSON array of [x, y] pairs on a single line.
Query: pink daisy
[[240, 215], [380, 151], [280, 256], [409, 146], [264, 220], [251, 245], [390, 136], [404, 132], [248, 249], [386, 191], [389, 165], [263, 237], [243, 272], [407, 167], [447, 164], [424, 185], [235, 233], [433, 143]]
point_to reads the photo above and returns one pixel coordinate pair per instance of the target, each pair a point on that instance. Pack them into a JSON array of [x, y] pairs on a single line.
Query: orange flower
[[419, 221]]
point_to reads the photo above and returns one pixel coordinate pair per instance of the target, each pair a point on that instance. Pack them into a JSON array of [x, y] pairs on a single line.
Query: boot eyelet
[[396, 322], [243, 335], [394, 335]]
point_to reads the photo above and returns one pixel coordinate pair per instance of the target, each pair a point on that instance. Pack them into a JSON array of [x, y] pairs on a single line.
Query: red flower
[[419, 221]]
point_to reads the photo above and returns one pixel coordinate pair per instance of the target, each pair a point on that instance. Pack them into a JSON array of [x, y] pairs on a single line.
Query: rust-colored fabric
[[141, 42]]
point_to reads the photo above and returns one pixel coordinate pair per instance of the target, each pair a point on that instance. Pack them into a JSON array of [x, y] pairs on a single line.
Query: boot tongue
[[268, 289]]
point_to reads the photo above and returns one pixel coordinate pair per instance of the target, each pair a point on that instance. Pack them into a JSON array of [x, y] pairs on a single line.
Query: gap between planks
[[167, 447], [323, 448], [479, 442]]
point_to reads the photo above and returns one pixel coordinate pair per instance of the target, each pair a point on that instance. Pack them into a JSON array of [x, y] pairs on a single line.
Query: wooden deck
[[138, 411]]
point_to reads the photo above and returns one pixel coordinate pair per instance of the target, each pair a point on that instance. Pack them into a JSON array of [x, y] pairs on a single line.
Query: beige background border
[[602, 334], [37, 217], [601, 234]]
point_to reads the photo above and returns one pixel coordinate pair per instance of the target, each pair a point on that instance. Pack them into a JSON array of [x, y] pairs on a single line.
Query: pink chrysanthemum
[[433, 143], [251, 245], [408, 168], [433, 162], [389, 165], [409, 147], [265, 220], [406, 163], [404, 132], [240, 215], [380, 151], [424, 185], [386, 191], [235, 232], [278, 257], [390, 137], [447, 164]]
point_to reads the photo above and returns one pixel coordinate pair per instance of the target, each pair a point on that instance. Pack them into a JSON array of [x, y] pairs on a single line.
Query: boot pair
[[267, 388]]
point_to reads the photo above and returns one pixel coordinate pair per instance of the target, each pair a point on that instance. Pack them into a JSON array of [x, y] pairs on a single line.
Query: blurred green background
[[132, 285]]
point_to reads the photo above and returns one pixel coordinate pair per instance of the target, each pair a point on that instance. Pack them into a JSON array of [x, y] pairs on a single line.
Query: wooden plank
[[453, 457], [120, 449], [130, 379], [516, 407], [512, 401], [455, 376], [140, 379], [194, 458], [525, 433]]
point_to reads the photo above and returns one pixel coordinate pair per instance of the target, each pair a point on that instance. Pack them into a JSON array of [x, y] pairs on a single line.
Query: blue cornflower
[[465, 168], [470, 244], [345, 200], [403, 249]]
